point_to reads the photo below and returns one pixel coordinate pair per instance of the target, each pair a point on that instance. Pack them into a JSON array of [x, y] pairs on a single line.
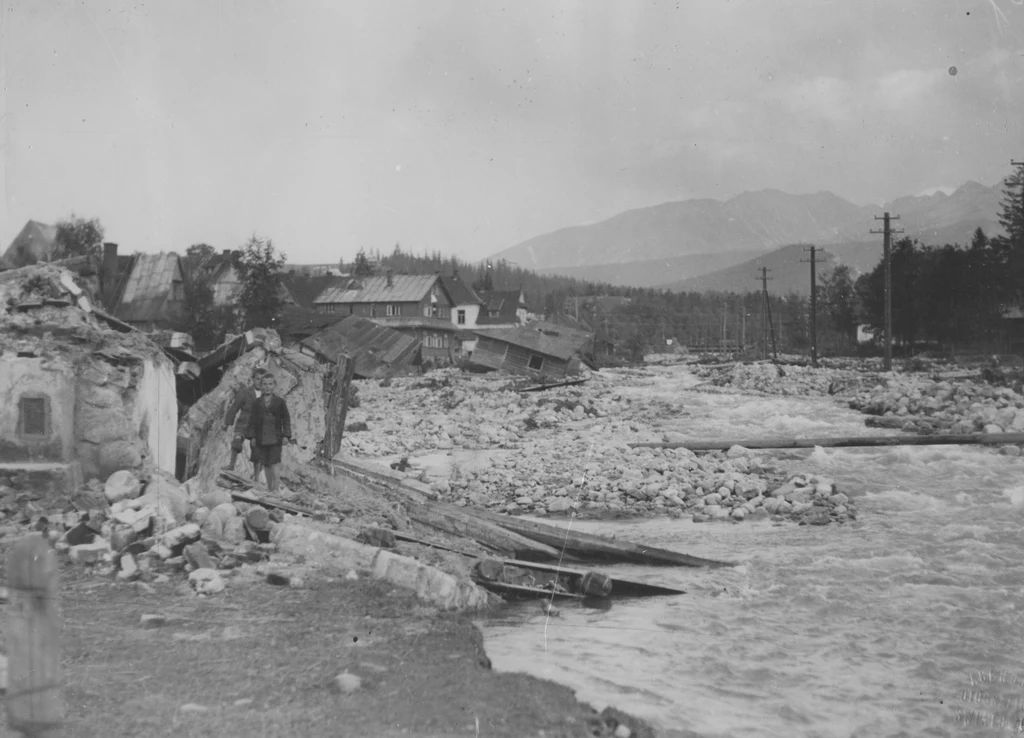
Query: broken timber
[[590, 547], [506, 577], [953, 439], [241, 490], [458, 522]]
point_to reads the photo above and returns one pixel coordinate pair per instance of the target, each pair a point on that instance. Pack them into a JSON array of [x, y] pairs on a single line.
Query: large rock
[[121, 485]]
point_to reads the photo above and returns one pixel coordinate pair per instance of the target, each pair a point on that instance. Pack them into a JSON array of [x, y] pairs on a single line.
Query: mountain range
[[703, 244]]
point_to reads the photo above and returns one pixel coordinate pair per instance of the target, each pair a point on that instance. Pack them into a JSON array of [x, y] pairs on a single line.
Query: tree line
[[948, 296]]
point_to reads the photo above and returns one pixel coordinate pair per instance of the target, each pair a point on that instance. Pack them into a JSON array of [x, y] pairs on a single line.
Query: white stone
[[129, 569], [559, 504], [623, 731], [90, 553], [121, 485], [206, 581]]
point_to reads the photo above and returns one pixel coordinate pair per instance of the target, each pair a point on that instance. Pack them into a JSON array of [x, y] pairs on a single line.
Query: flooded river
[[908, 622]]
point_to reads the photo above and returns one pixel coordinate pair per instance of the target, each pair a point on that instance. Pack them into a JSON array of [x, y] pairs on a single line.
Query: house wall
[[125, 413], [23, 376], [472, 313]]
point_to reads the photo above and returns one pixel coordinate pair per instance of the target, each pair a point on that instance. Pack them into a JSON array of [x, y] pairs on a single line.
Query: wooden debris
[[589, 547], [953, 439]]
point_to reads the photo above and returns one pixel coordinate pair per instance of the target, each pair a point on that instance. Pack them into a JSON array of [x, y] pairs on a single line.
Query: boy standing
[[239, 415], [270, 428]]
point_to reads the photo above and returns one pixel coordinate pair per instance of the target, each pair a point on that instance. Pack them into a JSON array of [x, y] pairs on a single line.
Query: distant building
[[36, 242], [503, 308], [154, 292], [411, 303]]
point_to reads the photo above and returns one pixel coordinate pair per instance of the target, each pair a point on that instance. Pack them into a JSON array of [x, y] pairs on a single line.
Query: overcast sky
[[468, 126]]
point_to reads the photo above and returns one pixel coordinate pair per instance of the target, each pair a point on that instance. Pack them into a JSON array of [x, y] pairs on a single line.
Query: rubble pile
[[919, 404], [144, 526], [788, 379], [566, 449]]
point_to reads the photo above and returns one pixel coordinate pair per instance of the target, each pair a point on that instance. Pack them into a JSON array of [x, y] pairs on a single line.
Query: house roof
[[305, 289], [34, 243], [503, 302], [148, 288], [542, 338], [377, 349], [404, 288], [459, 293], [297, 322]]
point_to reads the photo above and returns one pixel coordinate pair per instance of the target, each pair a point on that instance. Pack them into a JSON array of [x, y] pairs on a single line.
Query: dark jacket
[[270, 424], [241, 406]]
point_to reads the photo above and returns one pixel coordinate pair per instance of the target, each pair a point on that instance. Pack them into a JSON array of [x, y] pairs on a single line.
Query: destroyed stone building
[[80, 398]]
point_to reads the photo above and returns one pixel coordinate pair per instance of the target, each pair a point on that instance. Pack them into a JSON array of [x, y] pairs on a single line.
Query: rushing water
[[907, 622]]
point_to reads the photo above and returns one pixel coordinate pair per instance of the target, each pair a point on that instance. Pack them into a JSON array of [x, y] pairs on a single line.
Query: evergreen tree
[[362, 267], [260, 297]]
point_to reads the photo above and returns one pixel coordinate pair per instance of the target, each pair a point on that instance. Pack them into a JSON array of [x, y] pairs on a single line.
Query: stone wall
[[125, 414]]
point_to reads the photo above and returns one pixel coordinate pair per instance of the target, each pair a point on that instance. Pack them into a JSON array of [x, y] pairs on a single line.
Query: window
[[536, 362], [426, 311], [178, 291], [461, 317], [34, 416], [444, 342], [393, 310]]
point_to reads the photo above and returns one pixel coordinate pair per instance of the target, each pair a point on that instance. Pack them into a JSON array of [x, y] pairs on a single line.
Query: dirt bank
[[260, 660]]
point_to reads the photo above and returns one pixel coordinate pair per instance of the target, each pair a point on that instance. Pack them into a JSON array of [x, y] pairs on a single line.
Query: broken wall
[[125, 414], [37, 400], [300, 381]]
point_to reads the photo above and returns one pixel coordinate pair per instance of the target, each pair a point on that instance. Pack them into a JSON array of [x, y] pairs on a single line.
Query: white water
[[907, 622]]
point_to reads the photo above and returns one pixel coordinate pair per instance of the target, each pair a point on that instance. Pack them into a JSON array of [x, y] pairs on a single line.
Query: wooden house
[[503, 308], [538, 348], [377, 349], [34, 243], [153, 297]]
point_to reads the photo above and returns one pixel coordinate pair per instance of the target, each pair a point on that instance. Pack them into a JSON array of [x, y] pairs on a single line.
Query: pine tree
[[260, 268]]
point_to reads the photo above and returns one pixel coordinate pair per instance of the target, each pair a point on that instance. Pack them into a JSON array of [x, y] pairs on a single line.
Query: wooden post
[[34, 705]]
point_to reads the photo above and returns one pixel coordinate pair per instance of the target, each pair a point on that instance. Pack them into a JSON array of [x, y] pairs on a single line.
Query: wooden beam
[[34, 705], [590, 547], [955, 439]]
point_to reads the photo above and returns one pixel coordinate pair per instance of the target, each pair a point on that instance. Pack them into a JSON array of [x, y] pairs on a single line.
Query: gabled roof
[[459, 293], [149, 288], [377, 349], [297, 322], [404, 288], [543, 338], [503, 302], [306, 289], [34, 243]]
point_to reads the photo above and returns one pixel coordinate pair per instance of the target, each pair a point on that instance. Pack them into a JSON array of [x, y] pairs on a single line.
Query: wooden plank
[[227, 352], [456, 521], [620, 587], [337, 407], [953, 439], [34, 705], [519, 591], [542, 387], [589, 547]]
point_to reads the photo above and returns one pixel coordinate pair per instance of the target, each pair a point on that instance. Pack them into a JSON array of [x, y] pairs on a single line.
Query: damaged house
[[78, 399], [414, 304], [377, 350], [538, 348]]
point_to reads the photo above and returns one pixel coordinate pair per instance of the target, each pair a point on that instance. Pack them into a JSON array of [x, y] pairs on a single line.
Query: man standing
[[239, 415], [271, 428]]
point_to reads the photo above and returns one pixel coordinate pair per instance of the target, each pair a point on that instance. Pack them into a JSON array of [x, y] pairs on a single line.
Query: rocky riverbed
[[476, 440]]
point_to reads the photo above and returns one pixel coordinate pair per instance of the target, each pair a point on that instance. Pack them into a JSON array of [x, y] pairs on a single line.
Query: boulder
[[206, 581], [121, 485], [559, 505]]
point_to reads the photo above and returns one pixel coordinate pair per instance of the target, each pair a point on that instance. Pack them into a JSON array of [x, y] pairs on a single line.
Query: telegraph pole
[[765, 310], [814, 304], [887, 256]]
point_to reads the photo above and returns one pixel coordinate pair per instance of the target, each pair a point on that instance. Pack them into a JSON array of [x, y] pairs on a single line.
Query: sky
[[468, 126]]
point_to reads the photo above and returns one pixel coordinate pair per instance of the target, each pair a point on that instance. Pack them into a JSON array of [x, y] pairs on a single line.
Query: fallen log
[[457, 522], [590, 547], [953, 439]]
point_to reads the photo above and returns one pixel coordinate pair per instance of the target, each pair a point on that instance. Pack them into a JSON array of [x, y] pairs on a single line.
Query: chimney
[[391, 278], [108, 274]]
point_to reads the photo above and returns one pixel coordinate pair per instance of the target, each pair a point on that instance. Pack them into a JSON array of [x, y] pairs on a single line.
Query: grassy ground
[[261, 661]]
